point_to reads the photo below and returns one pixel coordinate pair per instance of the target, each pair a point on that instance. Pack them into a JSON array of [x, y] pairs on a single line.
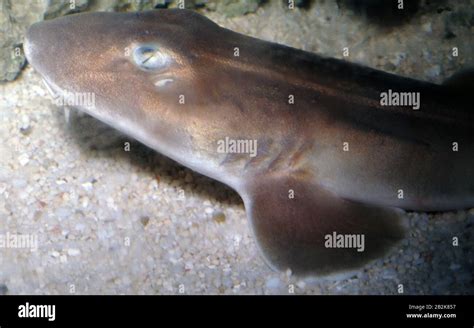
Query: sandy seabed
[[108, 221]]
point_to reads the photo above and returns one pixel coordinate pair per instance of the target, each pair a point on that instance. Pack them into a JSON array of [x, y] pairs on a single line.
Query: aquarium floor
[[111, 221]]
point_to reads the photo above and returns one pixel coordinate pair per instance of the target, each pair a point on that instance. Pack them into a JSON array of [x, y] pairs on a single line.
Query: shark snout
[[29, 42], [40, 45]]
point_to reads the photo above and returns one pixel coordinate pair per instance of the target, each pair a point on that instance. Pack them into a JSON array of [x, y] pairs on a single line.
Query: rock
[[232, 8], [274, 284], [191, 4], [389, 274], [23, 159], [57, 8], [218, 217], [12, 58], [25, 125], [15, 18], [297, 3], [124, 5], [73, 252], [144, 220]]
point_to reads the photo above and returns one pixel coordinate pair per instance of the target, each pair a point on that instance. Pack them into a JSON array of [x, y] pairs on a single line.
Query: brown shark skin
[[246, 97]]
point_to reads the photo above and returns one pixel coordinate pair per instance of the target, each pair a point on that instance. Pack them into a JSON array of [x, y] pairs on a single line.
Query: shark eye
[[149, 58]]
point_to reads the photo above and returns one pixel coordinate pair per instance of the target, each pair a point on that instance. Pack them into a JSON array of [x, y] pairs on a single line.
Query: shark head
[[139, 68]]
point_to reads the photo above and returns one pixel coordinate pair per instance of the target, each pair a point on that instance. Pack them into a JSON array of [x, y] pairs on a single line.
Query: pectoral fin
[[292, 219]]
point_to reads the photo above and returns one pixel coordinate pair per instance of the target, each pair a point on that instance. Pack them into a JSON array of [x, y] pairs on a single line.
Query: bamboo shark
[[338, 157]]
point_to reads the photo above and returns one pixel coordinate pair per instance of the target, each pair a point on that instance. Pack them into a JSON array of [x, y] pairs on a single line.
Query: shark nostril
[[149, 57]]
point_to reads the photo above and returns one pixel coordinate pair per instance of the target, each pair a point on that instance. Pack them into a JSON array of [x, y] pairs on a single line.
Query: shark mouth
[[58, 96], [61, 99], [49, 87]]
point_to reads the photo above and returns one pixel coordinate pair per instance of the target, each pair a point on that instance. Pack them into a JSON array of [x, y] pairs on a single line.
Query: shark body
[[330, 158]]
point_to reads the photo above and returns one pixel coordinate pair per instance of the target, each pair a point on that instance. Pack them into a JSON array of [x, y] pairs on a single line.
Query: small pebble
[[73, 252], [144, 220], [25, 126], [23, 159], [3, 289], [219, 217], [87, 186]]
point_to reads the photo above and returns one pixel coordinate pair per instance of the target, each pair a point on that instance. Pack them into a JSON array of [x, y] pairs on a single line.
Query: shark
[[327, 155]]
